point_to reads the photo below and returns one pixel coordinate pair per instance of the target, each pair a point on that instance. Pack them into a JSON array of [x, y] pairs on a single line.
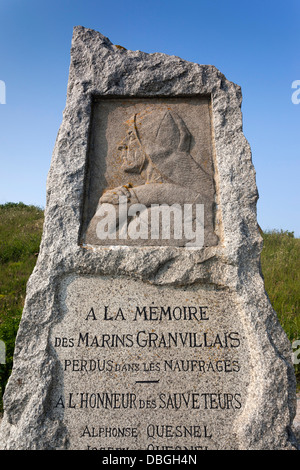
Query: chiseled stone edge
[[100, 68]]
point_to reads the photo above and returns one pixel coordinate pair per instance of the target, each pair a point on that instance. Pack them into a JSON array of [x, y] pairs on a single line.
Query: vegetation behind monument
[[20, 235]]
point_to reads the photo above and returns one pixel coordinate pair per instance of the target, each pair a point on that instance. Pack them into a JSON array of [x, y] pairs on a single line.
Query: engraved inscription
[[148, 368]]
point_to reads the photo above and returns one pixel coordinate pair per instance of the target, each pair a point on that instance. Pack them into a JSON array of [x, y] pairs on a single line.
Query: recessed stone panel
[[149, 367], [156, 154]]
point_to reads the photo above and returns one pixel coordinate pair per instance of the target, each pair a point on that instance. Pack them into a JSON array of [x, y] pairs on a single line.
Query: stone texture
[[67, 271]]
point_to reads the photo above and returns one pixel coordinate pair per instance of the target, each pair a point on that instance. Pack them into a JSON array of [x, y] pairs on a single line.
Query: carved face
[[133, 155]]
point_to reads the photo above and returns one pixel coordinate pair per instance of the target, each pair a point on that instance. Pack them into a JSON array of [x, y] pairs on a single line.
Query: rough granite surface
[[99, 68]]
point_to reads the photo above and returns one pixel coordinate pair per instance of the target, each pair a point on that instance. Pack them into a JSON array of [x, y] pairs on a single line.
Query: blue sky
[[254, 43]]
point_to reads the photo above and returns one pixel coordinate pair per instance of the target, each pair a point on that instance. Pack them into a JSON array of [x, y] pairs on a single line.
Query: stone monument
[[146, 323]]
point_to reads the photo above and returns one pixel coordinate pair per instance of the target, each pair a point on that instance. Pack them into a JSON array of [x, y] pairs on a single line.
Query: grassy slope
[[280, 262], [20, 234], [281, 269]]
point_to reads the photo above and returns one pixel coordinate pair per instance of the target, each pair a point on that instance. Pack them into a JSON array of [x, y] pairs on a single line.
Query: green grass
[[280, 262], [20, 235]]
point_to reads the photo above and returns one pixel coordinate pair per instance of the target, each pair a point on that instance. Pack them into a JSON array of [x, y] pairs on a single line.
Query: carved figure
[[157, 146]]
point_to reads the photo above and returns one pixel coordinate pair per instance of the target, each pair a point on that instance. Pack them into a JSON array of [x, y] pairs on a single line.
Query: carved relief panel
[[150, 173]]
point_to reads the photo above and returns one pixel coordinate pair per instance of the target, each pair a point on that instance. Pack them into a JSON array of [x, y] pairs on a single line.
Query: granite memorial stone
[[146, 323]]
